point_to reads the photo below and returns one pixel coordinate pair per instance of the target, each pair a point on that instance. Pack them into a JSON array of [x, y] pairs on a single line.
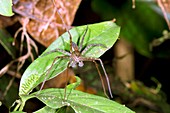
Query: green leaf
[[75, 84], [81, 102], [6, 7], [105, 33]]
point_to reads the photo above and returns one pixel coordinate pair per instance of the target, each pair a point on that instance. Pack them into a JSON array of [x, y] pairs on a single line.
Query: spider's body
[[76, 56]]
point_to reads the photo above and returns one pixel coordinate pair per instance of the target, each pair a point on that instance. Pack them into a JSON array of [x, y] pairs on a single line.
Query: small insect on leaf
[[105, 33]]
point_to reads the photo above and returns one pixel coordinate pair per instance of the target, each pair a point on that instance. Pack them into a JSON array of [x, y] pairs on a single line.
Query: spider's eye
[[81, 64]]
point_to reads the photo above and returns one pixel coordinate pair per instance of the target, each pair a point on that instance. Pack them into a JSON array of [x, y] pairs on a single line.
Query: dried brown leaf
[[45, 24]]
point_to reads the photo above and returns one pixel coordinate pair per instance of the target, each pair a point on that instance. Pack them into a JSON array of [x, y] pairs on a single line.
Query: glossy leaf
[[105, 33], [81, 102], [6, 7]]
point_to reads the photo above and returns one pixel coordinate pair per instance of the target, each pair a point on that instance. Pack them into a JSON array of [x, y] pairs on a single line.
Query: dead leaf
[[45, 25], [61, 80]]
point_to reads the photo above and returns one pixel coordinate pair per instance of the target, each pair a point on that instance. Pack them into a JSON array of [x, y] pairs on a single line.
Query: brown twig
[[21, 59]]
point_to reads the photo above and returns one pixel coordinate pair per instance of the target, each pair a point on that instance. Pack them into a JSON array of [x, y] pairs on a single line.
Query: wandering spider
[[76, 57]]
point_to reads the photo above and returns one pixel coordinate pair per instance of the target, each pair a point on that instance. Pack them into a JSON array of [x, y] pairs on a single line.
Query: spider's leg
[[65, 89], [70, 41], [100, 78], [106, 76], [64, 26], [48, 71], [56, 50], [91, 45], [81, 43]]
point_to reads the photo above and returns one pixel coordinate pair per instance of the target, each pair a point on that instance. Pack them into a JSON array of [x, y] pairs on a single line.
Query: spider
[[76, 57]]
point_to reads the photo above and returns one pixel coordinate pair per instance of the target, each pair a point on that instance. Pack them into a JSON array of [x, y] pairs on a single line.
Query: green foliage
[[53, 98], [6, 7], [105, 33], [11, 95], [139, 26], [6, 42], [80, 102]]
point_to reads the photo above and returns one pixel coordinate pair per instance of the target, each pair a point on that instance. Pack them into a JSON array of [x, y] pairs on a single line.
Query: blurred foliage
[[139, 26], [141, 98], [6, 42], [134, 94], [142, 27], [105, 33], [12, 93]]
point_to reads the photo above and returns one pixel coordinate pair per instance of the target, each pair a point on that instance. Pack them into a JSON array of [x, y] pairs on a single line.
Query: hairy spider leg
[[100, 75], [82, 40], [106, 76], [48, 71], [63, 57], [93, 59], [56, 50], [81, 59], [65, 89], [91, 45], [71, 43], [84, 51], [74, 54], [78, 51], [64, 26]]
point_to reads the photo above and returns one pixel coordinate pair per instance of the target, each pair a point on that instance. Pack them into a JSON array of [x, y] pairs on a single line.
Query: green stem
[[22, 105]]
